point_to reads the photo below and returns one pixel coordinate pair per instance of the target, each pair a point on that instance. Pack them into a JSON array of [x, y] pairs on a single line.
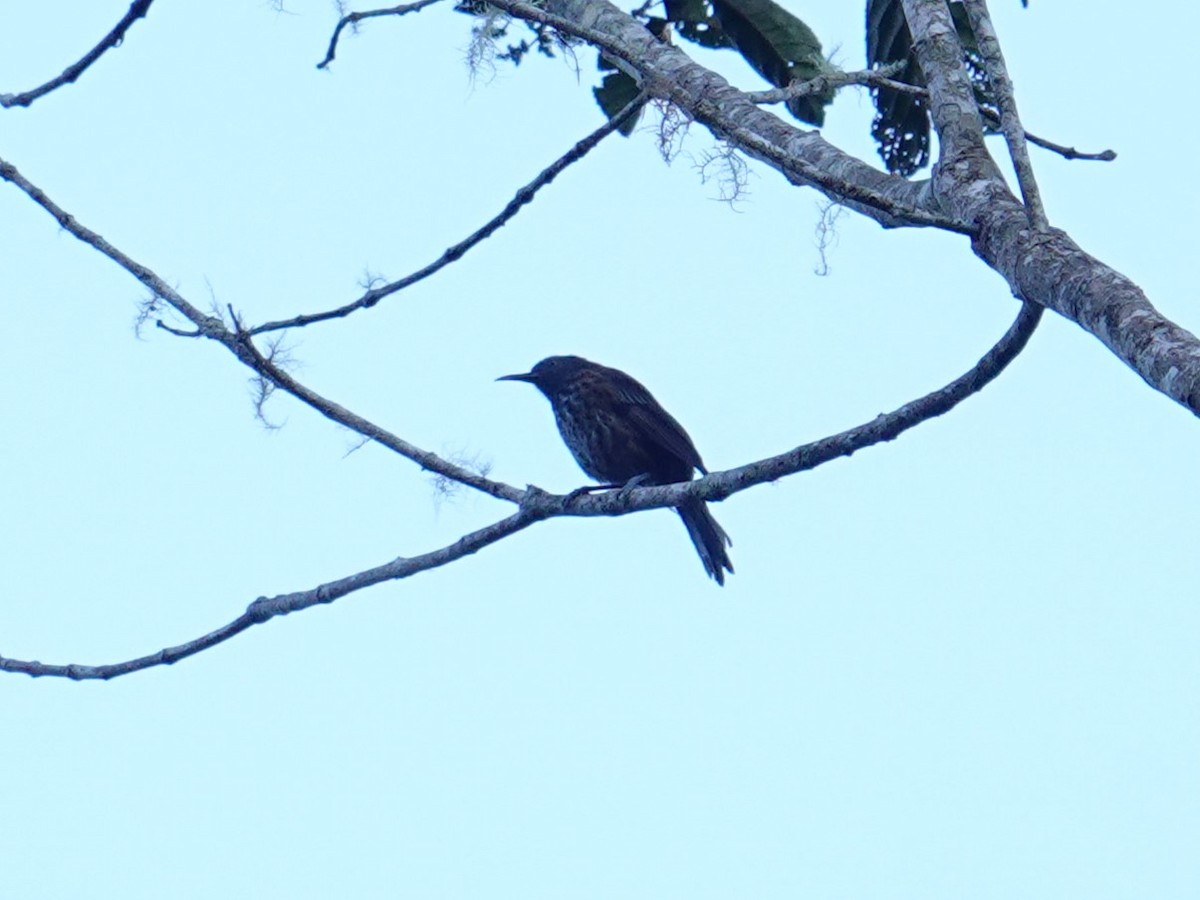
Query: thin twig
[[874, 79], [178, 332], [522, 197], [266, 608], [1006, 102], [354, 18], [137, 10], [1070, 152], [880, 77]]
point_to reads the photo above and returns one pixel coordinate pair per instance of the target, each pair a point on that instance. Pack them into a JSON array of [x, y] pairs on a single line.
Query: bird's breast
[[606, 444]]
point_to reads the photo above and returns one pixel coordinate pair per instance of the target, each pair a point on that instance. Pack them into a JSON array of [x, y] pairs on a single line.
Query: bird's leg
[[635, 482], [588, 489], [623, 489]]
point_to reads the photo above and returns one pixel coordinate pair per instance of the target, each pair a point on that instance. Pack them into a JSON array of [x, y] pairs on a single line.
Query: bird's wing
[[658, 425]]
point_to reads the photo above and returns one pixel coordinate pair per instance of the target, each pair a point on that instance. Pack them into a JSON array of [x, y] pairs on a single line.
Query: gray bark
[[965, 193]]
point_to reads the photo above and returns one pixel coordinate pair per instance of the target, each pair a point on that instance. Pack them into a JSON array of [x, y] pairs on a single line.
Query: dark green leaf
[[779, 47], [694, 21], [901, 126], [616, 92], [974, 61]]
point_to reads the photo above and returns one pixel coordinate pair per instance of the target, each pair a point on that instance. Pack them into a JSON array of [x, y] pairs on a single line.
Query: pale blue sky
[[963, 664]]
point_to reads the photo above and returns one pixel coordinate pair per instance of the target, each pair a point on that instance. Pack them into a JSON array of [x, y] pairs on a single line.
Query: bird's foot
[[586, 489], [622, 489], [636, 481]]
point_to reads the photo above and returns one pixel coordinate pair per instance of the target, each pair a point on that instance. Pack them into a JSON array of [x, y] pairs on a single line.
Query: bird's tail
[[709, 537]]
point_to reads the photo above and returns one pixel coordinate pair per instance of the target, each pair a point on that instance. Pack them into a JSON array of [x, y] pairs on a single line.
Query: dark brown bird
[[620, 435]]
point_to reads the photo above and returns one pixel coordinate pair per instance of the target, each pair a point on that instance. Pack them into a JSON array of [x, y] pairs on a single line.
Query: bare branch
[[522, 197], [352, 20], [179, 332], [266, 608], [241, 345], [884, 427], [535, 505], [1006, 102], [1070, 152], [137, 10]]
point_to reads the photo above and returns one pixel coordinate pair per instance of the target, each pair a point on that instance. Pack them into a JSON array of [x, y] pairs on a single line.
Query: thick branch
[[956, 117], [1006, 102], [1047, 268], [804, 157], [137, 10]]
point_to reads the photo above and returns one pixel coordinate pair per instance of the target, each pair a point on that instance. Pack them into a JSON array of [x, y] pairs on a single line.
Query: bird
[[620, 435]]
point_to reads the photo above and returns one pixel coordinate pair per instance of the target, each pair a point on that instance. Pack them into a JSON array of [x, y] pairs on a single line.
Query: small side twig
[[522, 197], [878, 79], [178, 332], [1069, 152], [352, 19], [137, 10]]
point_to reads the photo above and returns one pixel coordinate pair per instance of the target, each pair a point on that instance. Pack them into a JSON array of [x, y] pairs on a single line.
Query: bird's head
[[552, 374]]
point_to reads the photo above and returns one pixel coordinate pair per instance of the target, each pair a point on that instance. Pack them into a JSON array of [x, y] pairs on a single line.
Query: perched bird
[[619, 434]]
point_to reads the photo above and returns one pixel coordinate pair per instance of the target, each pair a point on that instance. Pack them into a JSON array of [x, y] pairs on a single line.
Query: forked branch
[[240, 343], [532, 503]]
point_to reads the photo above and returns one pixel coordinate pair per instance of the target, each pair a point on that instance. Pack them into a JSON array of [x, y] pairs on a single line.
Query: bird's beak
[[526, 376]]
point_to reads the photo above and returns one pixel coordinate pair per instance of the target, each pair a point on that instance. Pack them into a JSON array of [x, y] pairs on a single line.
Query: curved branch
[[137, 10], [884, 427], [522, 197], [535, 505]]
